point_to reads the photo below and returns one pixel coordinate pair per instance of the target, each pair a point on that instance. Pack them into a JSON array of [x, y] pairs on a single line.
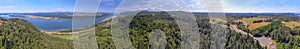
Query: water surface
[[53, 25]]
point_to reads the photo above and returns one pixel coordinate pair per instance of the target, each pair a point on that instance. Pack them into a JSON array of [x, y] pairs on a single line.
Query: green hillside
[[19, 34]]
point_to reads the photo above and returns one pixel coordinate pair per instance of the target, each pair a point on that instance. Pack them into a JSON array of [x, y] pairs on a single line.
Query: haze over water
[[53, 25]]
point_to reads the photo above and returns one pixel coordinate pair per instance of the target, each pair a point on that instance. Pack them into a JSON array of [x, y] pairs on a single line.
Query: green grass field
[[69, 37]]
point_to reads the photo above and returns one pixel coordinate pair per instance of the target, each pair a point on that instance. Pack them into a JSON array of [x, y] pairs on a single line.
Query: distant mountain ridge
[[70, 14], [55, 15]]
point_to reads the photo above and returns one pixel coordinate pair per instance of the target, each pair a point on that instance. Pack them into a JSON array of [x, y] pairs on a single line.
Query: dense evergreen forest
[[143, 23], [19, 34]]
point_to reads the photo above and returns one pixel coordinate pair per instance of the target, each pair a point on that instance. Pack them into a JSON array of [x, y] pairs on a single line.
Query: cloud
[[166, 5], [161, 5], [61, 10], [261, 5]]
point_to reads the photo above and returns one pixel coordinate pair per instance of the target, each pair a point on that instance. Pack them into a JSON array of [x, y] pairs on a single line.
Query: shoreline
[[56, 32], [69, 31], [105, 18]]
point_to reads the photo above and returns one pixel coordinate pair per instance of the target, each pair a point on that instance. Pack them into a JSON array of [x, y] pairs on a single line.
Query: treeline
[[20, 34], [285, 37], [239, 41], [142, 24], [266, 30]]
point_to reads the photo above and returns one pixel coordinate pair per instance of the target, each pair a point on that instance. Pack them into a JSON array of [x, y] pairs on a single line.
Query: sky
[[238, 6]]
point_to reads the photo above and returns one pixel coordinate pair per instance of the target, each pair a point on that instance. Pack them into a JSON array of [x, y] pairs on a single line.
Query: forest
[[143, 23], [284, 36], [19, 34]]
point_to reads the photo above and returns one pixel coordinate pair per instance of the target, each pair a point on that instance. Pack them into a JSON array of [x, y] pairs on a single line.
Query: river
[[53, 25]]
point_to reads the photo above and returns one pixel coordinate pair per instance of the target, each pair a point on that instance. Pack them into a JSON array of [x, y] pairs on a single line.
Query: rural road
[[264, 41]]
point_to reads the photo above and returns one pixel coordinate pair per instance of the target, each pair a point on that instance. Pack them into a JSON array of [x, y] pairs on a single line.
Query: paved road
[[264, 41]]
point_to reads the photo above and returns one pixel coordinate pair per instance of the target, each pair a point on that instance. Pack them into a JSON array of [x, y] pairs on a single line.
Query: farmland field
[[257, 25], [292, 24], [251, 25], [251, 20]]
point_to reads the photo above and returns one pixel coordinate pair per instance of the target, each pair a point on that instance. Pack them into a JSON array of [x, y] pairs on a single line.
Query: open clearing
[[257, 25], [69, 37], [251, 20], [292, 24], [251, 25]]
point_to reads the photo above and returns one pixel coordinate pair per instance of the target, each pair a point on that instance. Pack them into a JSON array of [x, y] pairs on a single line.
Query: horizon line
[[156, 11]]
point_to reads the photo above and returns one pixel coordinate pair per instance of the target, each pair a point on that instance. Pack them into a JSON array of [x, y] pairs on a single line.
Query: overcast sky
[[273, 6]]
